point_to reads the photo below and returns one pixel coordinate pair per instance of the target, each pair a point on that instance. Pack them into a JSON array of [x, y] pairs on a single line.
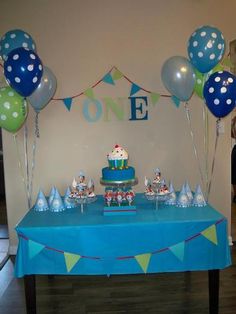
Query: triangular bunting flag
[[143, 260], [134, 89], [68, 102], [178, 250], [71, 260], [175, 100], [89, 93], [210, 234], [34, 248], [117, 75], [154, 98], [108, 79]]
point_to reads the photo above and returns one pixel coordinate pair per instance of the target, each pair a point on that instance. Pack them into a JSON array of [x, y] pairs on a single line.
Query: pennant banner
[[34, 248], [71, 260], [134, 89], [210, 234], [108, 79], [143, 261], [68, 102], [178, 250]]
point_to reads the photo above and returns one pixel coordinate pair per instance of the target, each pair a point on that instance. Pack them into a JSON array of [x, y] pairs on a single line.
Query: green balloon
[[199, 83], [202, 78], [13, 109]]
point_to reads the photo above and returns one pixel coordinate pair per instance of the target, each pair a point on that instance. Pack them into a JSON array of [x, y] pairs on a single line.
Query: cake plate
[[158, 198]]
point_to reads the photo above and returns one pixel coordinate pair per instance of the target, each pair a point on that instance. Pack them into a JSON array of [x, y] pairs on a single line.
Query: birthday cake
[[118, 169]]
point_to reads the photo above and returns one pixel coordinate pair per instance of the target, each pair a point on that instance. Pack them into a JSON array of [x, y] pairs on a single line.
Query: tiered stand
[[123, 208]]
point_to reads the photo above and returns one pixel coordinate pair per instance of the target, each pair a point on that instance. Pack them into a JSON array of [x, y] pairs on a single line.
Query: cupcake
[[118, 158]]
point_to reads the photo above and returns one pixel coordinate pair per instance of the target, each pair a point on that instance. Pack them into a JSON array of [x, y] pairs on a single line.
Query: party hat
[[199, 199], [51, 195], [41, 202], [68, 201], [183, 200], [188, 191], [57, 204], [172, 196]]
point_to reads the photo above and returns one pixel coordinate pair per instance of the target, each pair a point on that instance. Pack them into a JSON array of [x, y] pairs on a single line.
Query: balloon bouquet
[[28, 82], [203, 74]]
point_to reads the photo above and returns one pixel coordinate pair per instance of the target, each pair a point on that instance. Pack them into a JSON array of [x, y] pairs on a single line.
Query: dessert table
[[170, 239]]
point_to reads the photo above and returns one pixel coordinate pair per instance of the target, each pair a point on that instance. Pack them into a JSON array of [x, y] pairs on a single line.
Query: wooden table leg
[[30, 294], [213, 284]]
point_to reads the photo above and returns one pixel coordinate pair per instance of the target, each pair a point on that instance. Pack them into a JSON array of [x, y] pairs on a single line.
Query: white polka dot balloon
[[13, 39], [219, 93], [23, 70], [206, 48]]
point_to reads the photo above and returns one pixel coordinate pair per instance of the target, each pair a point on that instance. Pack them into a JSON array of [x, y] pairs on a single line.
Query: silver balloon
[[178, 77], [45, 90]]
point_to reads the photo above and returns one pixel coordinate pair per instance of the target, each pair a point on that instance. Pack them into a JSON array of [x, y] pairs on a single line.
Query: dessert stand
[[119, 209], [157, 197]]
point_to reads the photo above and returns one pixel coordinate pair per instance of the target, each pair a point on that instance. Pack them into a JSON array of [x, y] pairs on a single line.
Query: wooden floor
[[177, 293]]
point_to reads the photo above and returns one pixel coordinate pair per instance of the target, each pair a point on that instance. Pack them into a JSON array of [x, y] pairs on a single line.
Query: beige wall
[[80, 41]]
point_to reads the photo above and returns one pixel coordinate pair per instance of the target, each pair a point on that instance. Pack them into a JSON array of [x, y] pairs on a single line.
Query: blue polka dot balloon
[[206, 48], [220, 93], [23, 71], [13, 39]]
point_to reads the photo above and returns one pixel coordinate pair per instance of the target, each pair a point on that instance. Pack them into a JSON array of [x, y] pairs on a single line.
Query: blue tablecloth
[[165, 240]]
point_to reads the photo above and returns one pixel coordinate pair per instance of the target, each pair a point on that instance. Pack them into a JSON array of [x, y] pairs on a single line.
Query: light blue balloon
[[45, 90], [178, 77], [206, 48], [13, 39]]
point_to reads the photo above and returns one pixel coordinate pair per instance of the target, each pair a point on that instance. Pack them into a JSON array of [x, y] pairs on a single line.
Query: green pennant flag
[[89, 93], [117, 75], [154, 98], [143, 261], [210, 234], [71, 260], [178, 250], [34, 248]]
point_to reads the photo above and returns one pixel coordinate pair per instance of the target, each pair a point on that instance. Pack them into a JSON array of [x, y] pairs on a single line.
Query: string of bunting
[[111, 77], [142, 259]]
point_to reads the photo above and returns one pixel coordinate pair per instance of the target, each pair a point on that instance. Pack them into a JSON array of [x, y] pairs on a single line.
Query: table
[[169, 239]]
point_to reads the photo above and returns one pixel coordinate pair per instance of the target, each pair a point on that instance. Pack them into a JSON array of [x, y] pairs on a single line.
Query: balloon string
[[193, 140], [19, 162], [37, 125], [214, 157], [26, 162], [206, 144]]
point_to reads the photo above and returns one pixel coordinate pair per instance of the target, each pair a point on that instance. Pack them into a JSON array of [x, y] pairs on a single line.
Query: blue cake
[[118, 169]]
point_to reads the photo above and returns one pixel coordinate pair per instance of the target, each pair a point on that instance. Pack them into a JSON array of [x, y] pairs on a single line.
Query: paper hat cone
[[51, 195], [188, 191], [183, 200], [69, 202], [199, 199], [41, 202], [172, 196], [57, 204]]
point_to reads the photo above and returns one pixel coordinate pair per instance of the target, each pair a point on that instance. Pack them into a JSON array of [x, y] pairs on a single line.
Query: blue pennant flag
[[34, 248], [134, 89], [68, 102], [175, 100], [108, 79]]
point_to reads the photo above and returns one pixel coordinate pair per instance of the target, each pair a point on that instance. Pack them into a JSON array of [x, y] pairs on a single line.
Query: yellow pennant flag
[[117, 75], [71, 260], [143, 260], [210, 234]]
